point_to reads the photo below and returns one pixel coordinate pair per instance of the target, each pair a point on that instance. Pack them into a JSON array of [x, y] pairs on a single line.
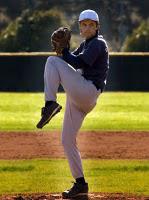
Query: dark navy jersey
[[92, 58]]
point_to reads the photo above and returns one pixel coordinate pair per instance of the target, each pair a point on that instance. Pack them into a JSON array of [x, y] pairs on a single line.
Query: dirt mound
[[91, 196]]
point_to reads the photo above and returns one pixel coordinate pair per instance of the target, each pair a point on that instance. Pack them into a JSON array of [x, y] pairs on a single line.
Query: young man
[[82, 74]]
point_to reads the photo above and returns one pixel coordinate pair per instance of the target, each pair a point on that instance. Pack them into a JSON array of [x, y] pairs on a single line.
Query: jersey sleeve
[[78, 50], [73, 60], [87, 56]]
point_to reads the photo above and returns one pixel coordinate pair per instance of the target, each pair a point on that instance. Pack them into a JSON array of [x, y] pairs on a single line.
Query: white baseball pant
[[81, 97]]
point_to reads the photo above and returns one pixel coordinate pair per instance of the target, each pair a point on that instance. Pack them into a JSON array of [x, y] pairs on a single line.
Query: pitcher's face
[[88, 28]]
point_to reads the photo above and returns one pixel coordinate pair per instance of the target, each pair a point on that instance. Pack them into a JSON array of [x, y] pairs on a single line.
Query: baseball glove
[[60, 39]]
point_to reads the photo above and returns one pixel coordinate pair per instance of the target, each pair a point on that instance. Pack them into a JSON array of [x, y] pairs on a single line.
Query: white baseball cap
[[89, 14]]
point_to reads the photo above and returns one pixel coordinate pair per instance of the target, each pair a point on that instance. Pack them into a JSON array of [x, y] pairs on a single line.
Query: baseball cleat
[[47, 113], [76, 190]]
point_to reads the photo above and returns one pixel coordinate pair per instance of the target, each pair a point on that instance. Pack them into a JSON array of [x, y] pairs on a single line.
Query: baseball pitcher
[[82, 74]]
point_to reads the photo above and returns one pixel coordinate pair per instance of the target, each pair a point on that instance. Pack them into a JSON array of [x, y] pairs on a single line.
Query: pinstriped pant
[[81, 97]]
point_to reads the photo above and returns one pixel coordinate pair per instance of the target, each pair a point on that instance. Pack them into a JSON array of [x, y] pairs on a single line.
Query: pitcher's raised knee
[[52, 58]]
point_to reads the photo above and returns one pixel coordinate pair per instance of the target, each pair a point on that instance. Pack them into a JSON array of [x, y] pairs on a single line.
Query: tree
[[31, 31], [117, 18], [139, 39]]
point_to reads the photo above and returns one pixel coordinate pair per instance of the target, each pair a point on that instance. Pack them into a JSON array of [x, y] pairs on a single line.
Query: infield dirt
[[103, 145], [92, 196]]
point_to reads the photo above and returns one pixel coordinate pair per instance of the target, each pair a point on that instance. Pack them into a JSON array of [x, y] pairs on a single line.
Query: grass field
[[54, 176], [114, 111]]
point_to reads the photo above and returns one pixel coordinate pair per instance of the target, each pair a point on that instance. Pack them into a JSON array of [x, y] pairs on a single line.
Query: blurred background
[[26, 25]]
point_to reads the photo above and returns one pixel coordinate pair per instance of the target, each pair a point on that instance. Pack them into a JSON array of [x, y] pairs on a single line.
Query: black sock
[[48, 103], [80, 180]]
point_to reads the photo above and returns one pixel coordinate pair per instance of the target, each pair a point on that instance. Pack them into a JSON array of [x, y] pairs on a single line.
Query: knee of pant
[[50, 63], [52, 59]]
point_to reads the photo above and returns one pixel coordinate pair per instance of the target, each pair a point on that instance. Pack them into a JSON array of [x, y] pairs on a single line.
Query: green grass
[[54, 176], [114, 111]]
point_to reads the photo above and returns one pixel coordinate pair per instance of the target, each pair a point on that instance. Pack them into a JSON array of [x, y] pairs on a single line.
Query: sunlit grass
[[114, 111], [54, 176]]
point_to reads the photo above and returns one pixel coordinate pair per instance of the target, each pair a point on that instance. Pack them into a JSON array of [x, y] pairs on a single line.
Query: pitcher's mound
[[91, 196]]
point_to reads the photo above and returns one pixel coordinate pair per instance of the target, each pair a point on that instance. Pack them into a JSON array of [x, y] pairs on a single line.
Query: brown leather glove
[[60, 39]]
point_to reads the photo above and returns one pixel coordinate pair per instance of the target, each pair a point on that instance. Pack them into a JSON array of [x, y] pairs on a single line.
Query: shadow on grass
[[16, 168]]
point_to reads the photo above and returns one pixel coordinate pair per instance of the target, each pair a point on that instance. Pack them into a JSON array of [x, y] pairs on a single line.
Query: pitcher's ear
[[98, 26]]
